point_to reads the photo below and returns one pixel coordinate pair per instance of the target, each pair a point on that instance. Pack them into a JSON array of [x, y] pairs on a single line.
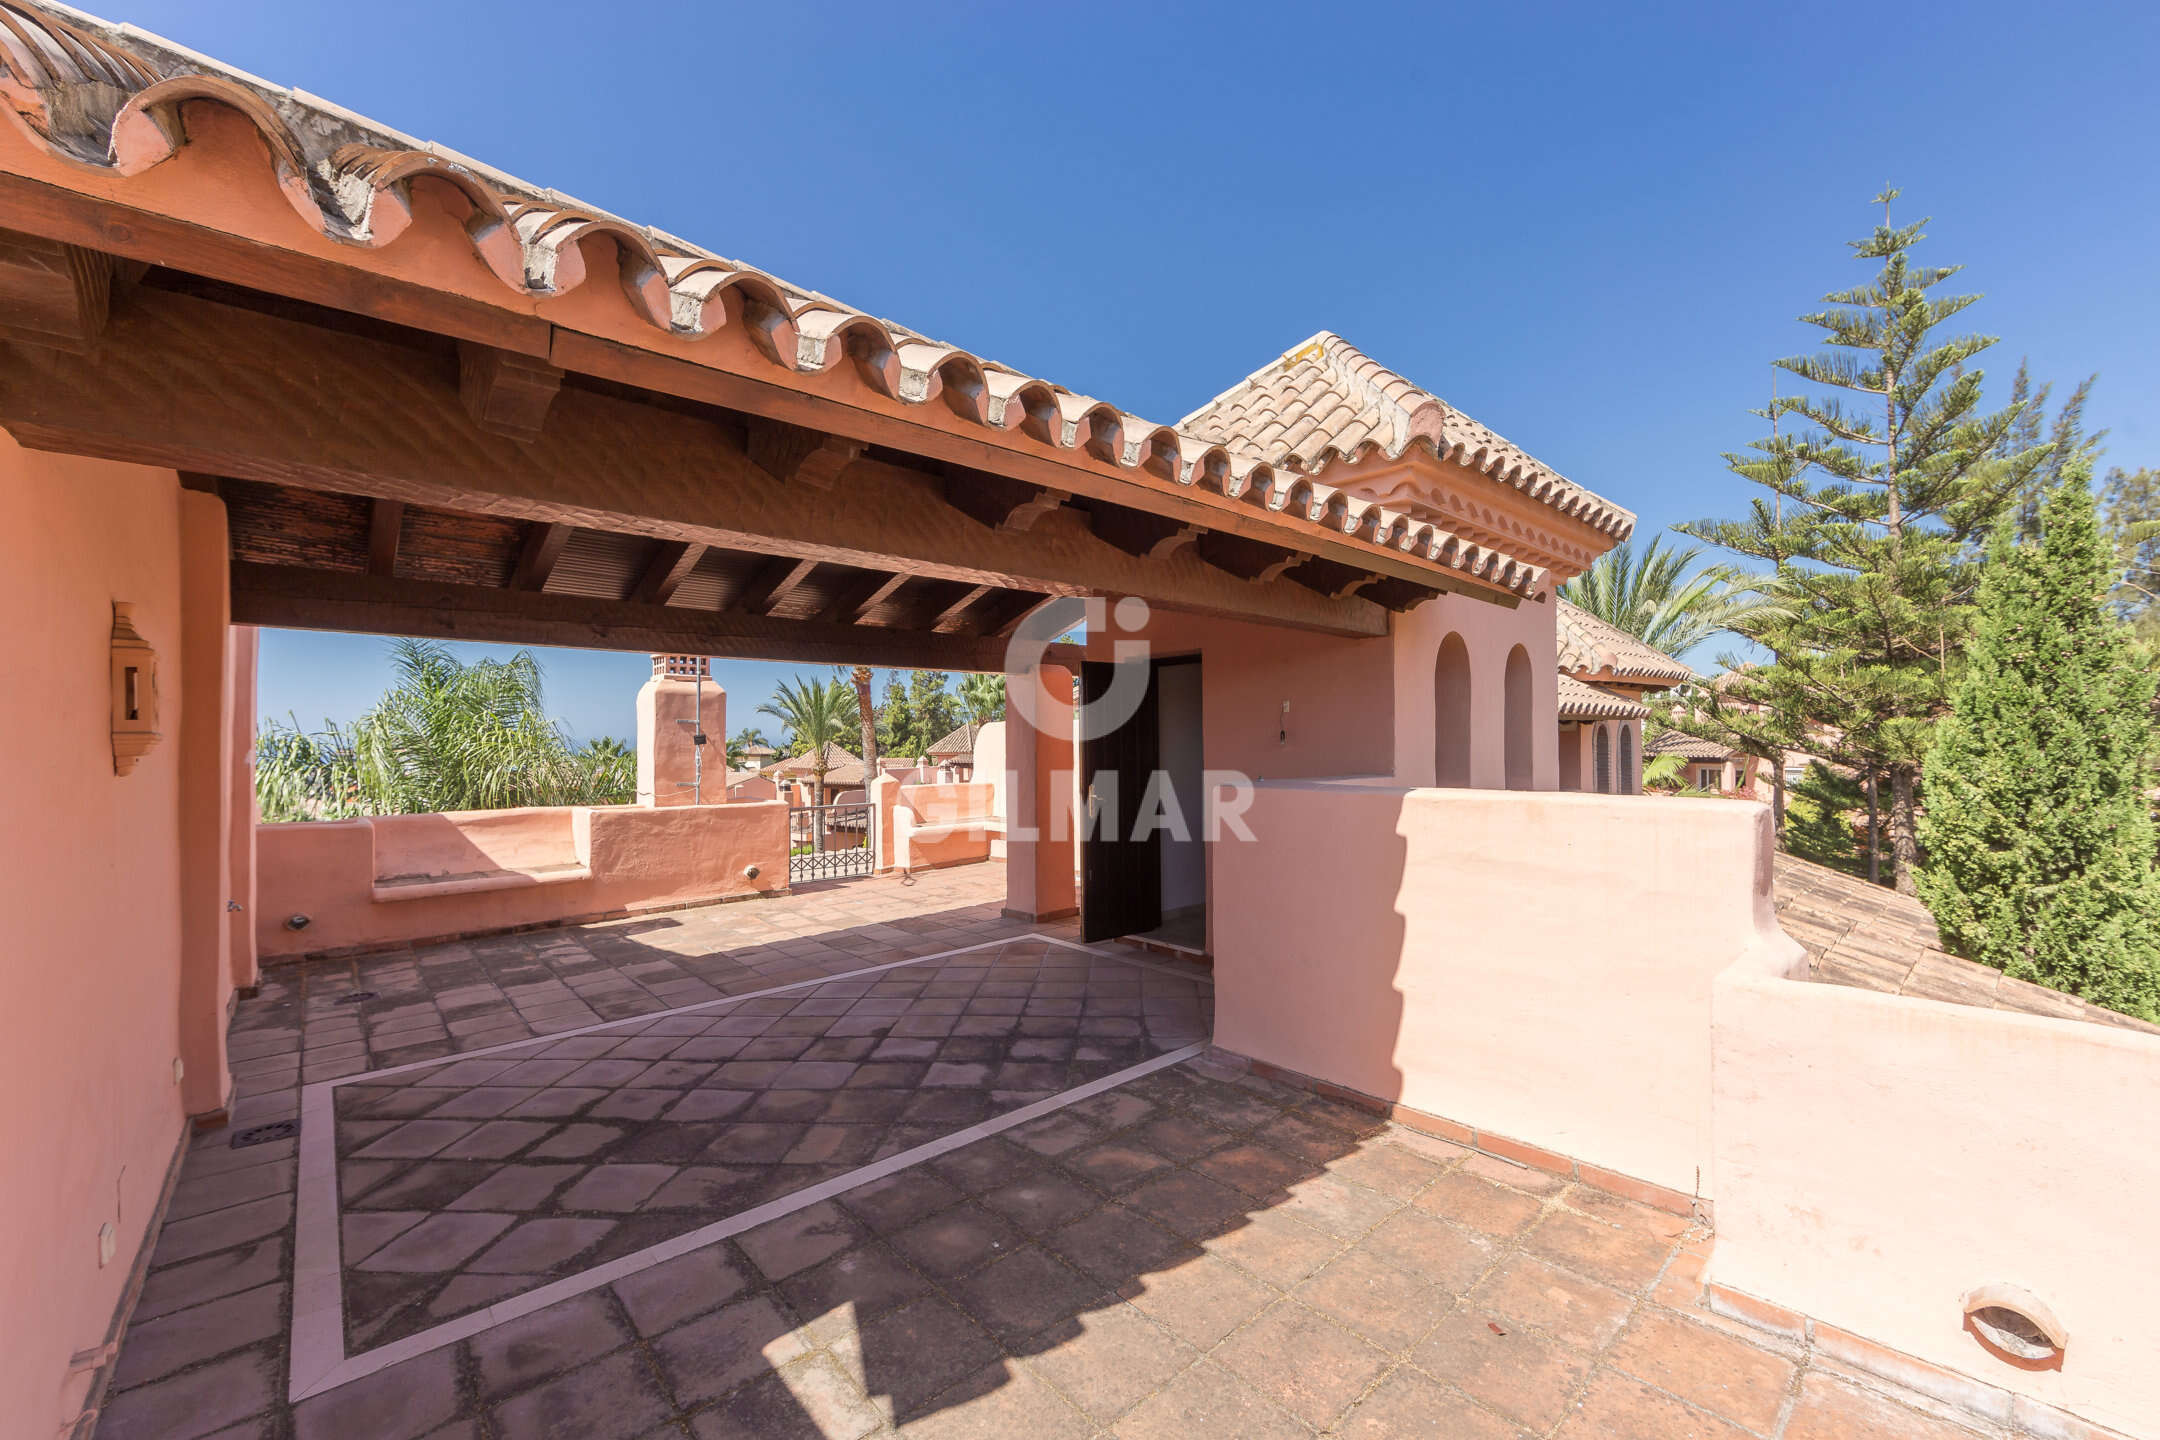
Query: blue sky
[[1587, 226]]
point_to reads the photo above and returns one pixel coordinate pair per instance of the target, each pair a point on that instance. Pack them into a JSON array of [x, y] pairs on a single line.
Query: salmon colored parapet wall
[[327, 886]]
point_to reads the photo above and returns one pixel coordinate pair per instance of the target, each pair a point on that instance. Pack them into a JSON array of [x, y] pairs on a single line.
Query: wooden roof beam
[[773, 582], [53, 295], [1141, 532], [1009, 506], [1246, 559], [508, 394], [536, 561], [793, 454], [385, 519], [161, 392], [670, 565], [296, 597], [870, 590], [951, 619]]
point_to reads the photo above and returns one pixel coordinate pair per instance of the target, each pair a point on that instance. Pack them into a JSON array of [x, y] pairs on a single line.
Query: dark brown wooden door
[[1121, 878]]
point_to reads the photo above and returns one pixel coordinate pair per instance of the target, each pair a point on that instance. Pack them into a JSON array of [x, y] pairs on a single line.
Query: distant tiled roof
[[843, 767], [1589, 646], [1580, 701], [1326, 400], [1687, 747], [958, 745], [756, 749]]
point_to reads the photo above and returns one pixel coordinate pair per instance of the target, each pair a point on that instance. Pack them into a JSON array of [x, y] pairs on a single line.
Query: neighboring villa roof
[[1326, 401], [1582, 701], [110, 100], [756, 749], [958, 745], [843, 767], [1590, 647], [1687, 747]]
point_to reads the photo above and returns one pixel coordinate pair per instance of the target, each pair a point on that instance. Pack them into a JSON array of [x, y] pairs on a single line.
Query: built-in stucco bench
[[912, 829], [418, 857]]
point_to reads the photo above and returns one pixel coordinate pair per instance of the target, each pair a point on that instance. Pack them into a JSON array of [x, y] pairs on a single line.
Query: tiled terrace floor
[[1196, 1253]]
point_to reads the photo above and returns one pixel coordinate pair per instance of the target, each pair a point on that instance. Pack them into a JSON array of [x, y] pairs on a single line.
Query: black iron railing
[[829, 842]]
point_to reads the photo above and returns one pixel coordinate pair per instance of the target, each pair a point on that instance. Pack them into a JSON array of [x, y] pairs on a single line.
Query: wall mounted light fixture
[[134, 691]]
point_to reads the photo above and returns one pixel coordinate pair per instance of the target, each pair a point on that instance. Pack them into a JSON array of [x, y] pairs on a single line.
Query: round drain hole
[[2015, 1324]]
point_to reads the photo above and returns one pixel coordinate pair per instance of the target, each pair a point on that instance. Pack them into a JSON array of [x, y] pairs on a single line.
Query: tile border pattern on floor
[[317, 1359]]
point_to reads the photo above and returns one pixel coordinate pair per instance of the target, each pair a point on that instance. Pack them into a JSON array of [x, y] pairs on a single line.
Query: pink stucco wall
[[638, 858], [1878, 1156], [90, 885], [1536, 965], [943, 804]]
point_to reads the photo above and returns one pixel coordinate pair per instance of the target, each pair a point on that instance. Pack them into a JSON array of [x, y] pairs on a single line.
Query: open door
[[1121, 878]]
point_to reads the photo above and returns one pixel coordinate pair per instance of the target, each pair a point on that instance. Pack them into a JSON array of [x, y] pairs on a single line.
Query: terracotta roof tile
[[1589, 646], [1581, 701], [108, 97], [1326, 400], [1687, 747], [844, 767], [958, 744]]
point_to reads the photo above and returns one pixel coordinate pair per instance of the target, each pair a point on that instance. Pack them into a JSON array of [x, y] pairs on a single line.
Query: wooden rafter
[[385, 519], [859, 598], [188, 383], [1139, 532], [670, 565], [1246, 559], [774, 581], [536, 561], [1009, 506], [952, 619], [1336, 581], [297, 598]]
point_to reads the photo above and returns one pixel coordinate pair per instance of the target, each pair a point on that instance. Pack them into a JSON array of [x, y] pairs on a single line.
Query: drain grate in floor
[[264, 1134], [357, 997]]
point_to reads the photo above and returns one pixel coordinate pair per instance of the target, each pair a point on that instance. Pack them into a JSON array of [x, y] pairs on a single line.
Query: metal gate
[[829, 842]]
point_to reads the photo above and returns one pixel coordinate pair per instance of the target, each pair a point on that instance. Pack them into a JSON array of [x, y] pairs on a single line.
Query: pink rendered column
[[1039, 881]]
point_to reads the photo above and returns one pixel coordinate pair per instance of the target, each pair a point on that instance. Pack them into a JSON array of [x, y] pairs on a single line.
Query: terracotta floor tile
[[1479, 1204], [953, 1242], [1025, 1292], [1619, 1407], [1515, 1177], [713, 1354], [1199, 1301], [1303, 1362], [1834, 1409], [1409, 1403], [1723, 1375], [810, 1398], [1389, 1307], [1389, 1169], [1526, 1377], [1527, 1291], [1207, 1400], [1114, 1359], [1000, 1402], [913, 1354], [1414, 1241], [1617, 1255]]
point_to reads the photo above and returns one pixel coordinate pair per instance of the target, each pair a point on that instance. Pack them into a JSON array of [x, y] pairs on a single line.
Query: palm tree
[[984, 696], [446, 736], [817, 715], [867, 714], [1652, 596]]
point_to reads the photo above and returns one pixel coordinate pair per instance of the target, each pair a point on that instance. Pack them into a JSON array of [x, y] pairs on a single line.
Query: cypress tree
[[2038, 832]]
